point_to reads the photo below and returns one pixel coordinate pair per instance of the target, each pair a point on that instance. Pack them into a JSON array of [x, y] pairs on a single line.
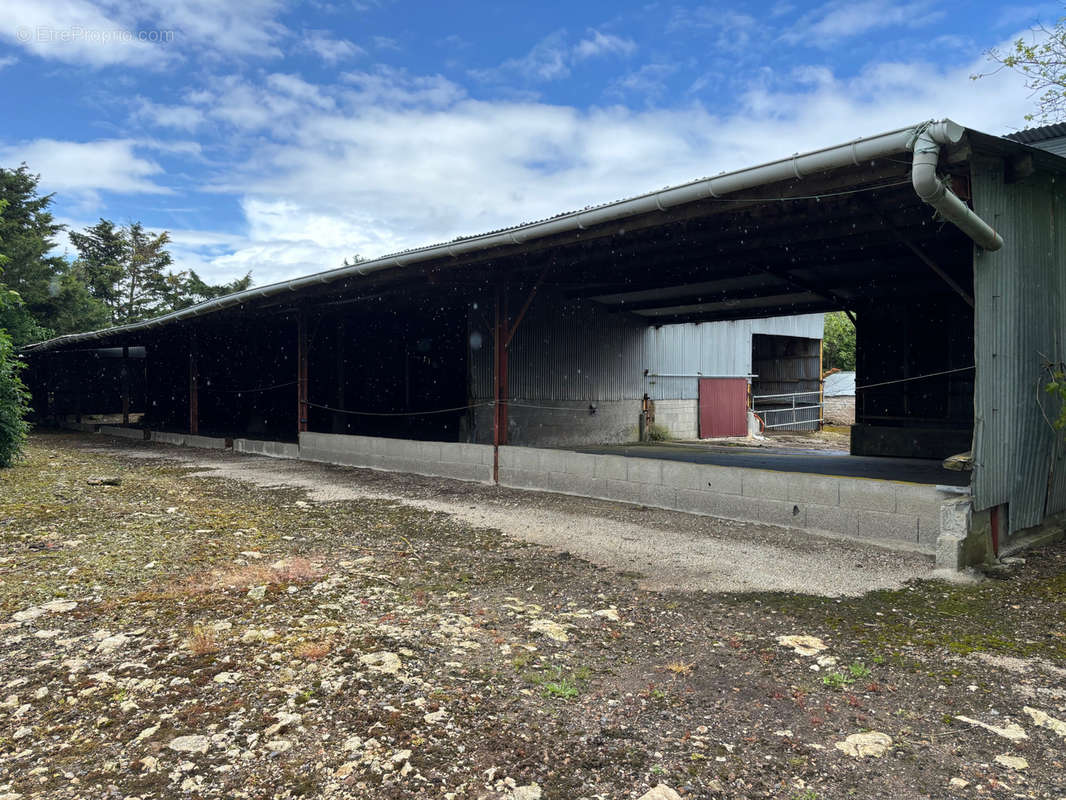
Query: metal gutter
[[924, 136], [936, 193]]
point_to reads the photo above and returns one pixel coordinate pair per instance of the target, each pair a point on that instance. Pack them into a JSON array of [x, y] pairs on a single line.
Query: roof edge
[[799, 165]]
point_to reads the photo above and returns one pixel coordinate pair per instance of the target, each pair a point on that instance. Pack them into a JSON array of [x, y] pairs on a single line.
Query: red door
[[723, 407]]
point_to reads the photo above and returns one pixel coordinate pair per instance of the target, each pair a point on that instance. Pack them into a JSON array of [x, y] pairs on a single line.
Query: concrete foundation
[[895, 514], [259, 447], [472, 462], [679, 417], [190, 440], [965, 535], [563, 423], [899, 515], [124, 433]]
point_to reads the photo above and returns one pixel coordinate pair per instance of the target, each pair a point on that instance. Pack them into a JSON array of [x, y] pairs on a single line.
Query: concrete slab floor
[[835, 463]]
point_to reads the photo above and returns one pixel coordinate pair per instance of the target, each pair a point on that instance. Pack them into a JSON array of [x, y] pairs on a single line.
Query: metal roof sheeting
[[1049, 137], [793, 167], [839, 384]]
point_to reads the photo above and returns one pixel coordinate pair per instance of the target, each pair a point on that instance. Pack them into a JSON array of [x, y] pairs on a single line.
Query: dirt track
[[669, 550]]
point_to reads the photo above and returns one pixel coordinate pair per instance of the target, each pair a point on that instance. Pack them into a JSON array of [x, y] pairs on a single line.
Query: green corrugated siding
[[1019, 293]]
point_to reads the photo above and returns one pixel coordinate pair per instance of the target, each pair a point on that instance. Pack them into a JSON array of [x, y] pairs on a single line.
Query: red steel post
[[194, 386], [301, 371]]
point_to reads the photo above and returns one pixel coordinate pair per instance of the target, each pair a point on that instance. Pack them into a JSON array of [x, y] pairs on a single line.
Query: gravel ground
[[670, 550], [170, 632]]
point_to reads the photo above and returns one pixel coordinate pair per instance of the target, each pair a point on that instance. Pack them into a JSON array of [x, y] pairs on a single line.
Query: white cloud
[[392, 171], [300, 90], [386, 43], [84, 169], [8, 61], [77, 32], [649, 80], [331, 50], [553, 57], [841, 19], [142, 33], [599, 44], [386, 160], [179, 117], [390, 87]]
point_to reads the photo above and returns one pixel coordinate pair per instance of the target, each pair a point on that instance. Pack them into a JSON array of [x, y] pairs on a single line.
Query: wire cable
[[916, 377], [397, 413], [208, 387]]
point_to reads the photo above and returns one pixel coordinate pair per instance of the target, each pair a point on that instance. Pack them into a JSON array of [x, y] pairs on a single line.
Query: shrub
[[14, 403]]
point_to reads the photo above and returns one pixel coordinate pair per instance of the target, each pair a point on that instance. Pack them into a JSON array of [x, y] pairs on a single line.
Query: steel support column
[[194, 385], [500, 341], [301, 371], [125, 386]]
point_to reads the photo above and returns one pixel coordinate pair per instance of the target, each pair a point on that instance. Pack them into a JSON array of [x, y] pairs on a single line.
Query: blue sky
[[281, 137]]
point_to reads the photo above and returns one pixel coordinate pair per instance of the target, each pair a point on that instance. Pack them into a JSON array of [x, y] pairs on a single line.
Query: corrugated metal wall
[[1020, 294], [572, 350], [712, 348], [563, 350]]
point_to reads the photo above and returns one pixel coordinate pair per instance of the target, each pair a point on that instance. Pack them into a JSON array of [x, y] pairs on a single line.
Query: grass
[[856, 671], [557, 684]]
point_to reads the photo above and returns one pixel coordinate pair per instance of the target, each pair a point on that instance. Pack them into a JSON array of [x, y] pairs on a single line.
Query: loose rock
[[860, 745]]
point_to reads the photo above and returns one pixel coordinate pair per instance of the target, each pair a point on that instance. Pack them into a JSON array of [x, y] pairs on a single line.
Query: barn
[[521, 356]]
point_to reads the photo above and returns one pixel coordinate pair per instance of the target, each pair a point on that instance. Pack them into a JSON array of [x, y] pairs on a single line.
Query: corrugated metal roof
[[839, 384], [1051, 138], [1034, 135], [588, 217]]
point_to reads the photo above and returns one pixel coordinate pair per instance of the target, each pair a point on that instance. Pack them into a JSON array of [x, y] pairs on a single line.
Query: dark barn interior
[[392, 345]]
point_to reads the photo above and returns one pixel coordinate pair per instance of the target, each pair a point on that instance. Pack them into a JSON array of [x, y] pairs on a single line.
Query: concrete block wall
[[124, 433], [84, 427], [679, 417], [901, 515], [189, 440], [260, 447], [563, 423], [839, 410], [895, 514], [471, 462]]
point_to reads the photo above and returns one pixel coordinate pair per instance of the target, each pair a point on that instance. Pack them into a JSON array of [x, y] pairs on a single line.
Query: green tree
[[14, 399], [54, 298], [1041, 59], [190, 289], [101, 258], [838, 342], [127, 269]]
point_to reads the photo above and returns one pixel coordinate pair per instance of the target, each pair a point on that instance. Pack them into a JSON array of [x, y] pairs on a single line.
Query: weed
[[521, 661], [554, 683], [201, 641], [836, 680], [679, 667], [563, 688], [657, 433], [858, 670]]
